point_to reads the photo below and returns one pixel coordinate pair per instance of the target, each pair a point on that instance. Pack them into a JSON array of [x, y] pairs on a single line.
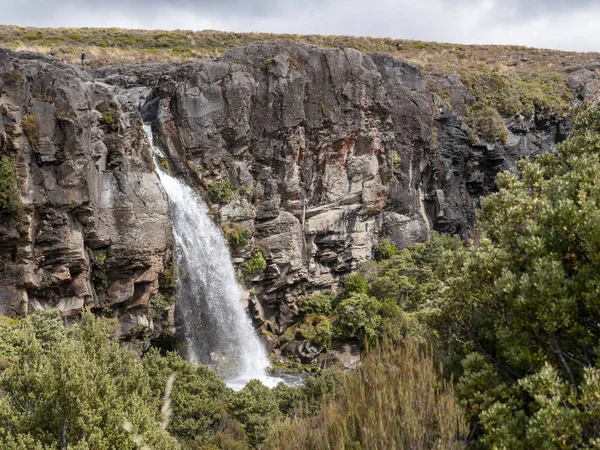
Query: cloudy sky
[[558, 24]]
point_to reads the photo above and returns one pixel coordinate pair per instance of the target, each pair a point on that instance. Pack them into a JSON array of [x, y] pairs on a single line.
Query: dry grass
[[397, 399], [114, 45]]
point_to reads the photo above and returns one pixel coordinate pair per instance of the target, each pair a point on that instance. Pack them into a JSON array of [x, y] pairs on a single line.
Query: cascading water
[[216, 326]]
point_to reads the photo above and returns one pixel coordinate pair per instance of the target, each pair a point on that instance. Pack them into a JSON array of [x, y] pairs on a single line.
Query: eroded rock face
[[327, 150], [308, 155], [320, 145], [93, 228]]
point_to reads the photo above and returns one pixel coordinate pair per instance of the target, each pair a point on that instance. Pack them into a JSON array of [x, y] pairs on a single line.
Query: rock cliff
[[307, 156]]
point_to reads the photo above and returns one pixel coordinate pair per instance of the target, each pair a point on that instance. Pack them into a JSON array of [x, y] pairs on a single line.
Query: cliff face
[[308, 155], [93, 228]]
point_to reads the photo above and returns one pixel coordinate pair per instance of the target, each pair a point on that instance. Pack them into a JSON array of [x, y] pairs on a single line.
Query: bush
[[385, 249], [160, 301], [257, 407], [198, 397], [525, 297], [255, 264], [321, 303], [355, 283], [31, 128], [9, 194], [486, 122], [357, 317], [74, 387], [237, 235], [316, 328], [220, 192]]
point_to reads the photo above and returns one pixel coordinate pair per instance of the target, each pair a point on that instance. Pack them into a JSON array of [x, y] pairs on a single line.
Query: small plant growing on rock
[[110, 113], [221, 192], [9, 195], [12, 77], [236, 236], [164, 162], [161, 301], [99, 277], [487, 122], [256, 264], [396, 160], [294, 63], [31, 128], [109, 116]]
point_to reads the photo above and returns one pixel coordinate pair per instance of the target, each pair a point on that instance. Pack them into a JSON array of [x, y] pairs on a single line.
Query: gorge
[[306, 156]]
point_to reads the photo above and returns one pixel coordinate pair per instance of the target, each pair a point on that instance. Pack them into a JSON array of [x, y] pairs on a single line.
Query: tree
[[73, 388], [525, 297]]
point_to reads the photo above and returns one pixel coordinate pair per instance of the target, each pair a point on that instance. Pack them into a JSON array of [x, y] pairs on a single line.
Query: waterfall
[[216, 328]]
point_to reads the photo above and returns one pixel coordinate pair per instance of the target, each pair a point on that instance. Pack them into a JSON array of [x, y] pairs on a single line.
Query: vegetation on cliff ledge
[[9, 194]]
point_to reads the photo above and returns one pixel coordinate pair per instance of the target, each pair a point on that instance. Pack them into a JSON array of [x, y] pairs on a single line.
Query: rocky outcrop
[[306, 155], [93, 227]]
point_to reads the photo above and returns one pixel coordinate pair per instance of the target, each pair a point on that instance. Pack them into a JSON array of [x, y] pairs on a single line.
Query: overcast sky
[[558, 24]]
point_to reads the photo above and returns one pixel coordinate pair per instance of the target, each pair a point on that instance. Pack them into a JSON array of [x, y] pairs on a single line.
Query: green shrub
[[320, 303], [525, 297], [9, 194], [255, 264], [357, 317], [31, 128], [355, 283], [236, 235], [111, 116], [164, 163], [74, 387], [385, 249], [486, 122], [160, 301], [198, 397], [316, 328], [257, 408], [396, 160], [221, 192]]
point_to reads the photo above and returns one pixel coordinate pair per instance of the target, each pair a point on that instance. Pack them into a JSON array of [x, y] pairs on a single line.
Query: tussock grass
[[105, 46], [397, 399]]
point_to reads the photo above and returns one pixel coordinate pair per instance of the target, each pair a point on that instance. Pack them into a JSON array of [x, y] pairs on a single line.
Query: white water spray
[[217, 329]]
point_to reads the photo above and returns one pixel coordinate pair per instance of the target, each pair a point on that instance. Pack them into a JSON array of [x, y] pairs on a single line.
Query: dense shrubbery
[[76, 387], [73, 387], [514, 316], [522, 306]]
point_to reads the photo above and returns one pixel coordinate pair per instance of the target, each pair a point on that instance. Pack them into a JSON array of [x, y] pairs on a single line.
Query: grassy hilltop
[[114, 45], [504, 79]]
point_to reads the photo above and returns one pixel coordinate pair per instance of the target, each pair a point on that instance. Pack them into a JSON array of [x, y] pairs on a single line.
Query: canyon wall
[[308, 156]]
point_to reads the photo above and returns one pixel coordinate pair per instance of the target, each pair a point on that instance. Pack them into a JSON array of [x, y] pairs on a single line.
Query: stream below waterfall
[[216, 327]]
